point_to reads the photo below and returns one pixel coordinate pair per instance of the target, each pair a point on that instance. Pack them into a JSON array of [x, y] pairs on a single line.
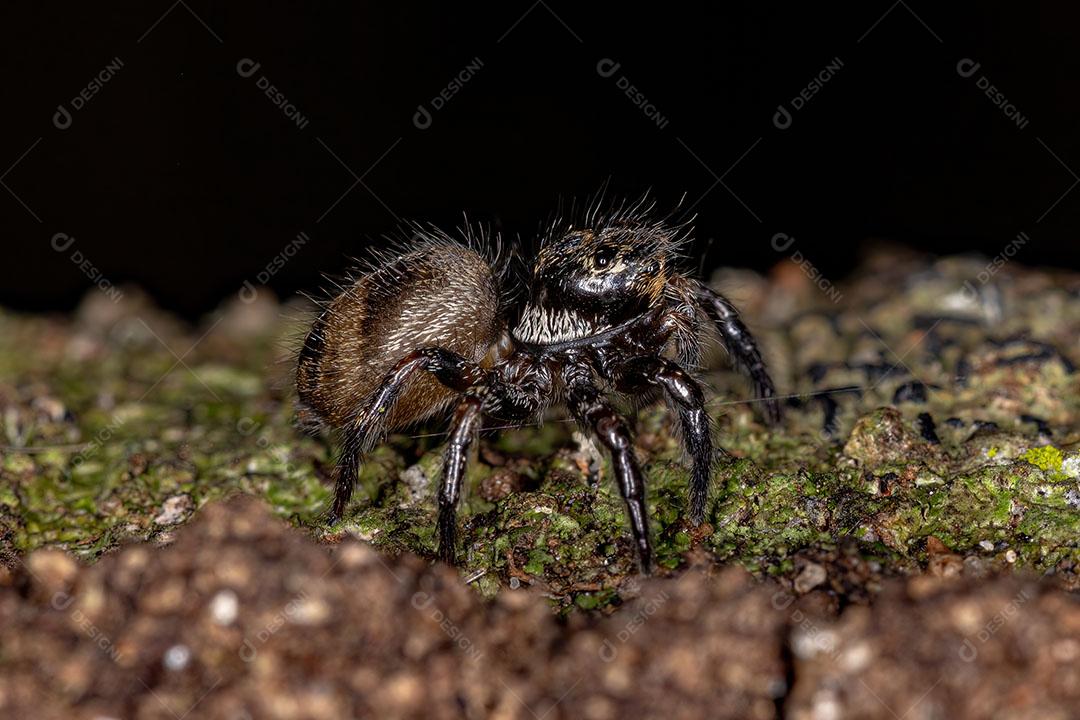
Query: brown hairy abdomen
[[443, 295]]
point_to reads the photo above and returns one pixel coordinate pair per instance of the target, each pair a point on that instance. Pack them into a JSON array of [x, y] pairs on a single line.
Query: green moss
[[1046, 457], [538, 560]]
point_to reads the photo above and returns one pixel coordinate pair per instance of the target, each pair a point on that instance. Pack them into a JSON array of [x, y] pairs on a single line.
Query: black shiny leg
[[463, 432], [741, 345], [594, 413], [368, 427], [688, 397], [344, 476]]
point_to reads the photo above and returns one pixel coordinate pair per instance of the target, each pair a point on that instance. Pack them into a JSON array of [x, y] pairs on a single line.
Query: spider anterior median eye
[[604, 256]]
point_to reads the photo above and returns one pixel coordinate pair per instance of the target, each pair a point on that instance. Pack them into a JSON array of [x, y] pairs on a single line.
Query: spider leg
[[686, 394], [595, 414], [740, 344], [462, 434], [368, 426], [348, 464]]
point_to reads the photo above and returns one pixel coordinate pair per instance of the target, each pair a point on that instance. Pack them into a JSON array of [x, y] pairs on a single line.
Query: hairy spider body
[[607, 311], [439, 293]]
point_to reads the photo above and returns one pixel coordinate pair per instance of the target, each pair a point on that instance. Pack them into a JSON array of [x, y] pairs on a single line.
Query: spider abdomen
[[442, 294]]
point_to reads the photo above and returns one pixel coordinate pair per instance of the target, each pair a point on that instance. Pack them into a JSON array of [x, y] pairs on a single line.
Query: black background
[[181, 176]]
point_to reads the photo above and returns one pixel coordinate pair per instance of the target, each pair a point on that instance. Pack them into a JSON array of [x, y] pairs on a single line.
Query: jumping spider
[[425, 329]]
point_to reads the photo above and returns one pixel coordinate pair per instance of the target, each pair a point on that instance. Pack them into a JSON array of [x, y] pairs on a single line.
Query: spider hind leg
[[345, 471], [368, 426], [463, 433]]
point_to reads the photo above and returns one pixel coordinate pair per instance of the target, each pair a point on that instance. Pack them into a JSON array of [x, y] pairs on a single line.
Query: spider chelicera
[[424, 329]]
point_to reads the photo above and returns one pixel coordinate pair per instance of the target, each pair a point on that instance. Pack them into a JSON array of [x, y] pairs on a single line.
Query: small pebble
[[912, 391], [500, 484], [1010, 556], [975, 566], [177, 657], [50, 407], [175, 509], [986, 545], [417, 482], [809, 578], [224, 607], [52, 568], [308, 611], [1066, 650]]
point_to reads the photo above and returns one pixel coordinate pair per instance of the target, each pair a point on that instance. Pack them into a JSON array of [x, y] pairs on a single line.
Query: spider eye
[[604, 256]]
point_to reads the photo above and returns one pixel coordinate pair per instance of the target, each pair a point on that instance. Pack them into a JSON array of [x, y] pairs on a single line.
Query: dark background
[[182, 176]]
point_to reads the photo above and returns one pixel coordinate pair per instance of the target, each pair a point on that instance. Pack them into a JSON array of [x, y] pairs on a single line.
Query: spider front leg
[[594, 413], [689, 400], [368, 426], [686, 394], [462, 434], [740, 344]]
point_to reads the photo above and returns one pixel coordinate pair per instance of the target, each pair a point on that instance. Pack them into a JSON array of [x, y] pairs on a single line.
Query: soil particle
[[500, 484], [809, 578], [175, 510]]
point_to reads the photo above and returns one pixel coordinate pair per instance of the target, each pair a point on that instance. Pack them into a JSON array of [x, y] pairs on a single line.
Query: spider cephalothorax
[[423, 329]]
